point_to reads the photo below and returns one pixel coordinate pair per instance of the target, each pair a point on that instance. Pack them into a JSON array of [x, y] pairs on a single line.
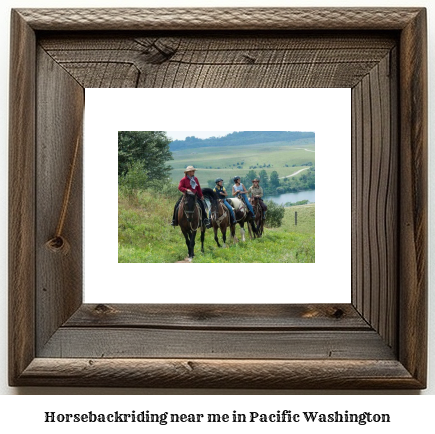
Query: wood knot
[[103, 309], [205, 314], [158, 51], [58, 244], [249, 59], [338, 313]]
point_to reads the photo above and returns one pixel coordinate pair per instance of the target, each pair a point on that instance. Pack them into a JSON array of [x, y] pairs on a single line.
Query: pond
[[282, 199]]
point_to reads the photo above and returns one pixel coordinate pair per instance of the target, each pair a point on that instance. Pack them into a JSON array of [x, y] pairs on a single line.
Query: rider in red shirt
[[190, 183], [187, 185]]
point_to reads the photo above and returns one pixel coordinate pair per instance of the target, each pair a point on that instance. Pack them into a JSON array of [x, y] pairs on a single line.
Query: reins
[[197, 207], [222, 217]]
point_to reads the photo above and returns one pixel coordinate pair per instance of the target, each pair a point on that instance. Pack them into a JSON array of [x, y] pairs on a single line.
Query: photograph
[[216, 196]]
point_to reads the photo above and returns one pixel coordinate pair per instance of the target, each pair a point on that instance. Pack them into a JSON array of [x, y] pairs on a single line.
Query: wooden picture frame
[[376, 342]]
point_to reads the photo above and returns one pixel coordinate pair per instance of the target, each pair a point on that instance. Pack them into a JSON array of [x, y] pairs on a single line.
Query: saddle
[[228, 200], [236, 203], [239, 207]]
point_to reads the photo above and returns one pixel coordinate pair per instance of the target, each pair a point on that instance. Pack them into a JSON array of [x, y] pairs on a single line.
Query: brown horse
[[258, 211], [190, 221], [220, 216]]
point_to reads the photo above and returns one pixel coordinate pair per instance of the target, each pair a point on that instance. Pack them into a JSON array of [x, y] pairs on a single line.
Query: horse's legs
[[257, 225], [254, 228], [187, 238], [192, 244], [233, 232], [202, 239], [216, 236], [249, 231], [242, 231], [224, 234]]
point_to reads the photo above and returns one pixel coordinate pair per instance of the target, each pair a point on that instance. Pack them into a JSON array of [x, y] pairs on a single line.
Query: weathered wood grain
[[220, 18], [235, 60], [413, 185], [21, 197], [375, 198], [252, 317], [357, 199], [126, 342], [228, 374], [391, 223], [60, 105]]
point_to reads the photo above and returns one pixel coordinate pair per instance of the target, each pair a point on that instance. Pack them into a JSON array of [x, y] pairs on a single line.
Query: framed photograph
[[303, 235], [375, 341]]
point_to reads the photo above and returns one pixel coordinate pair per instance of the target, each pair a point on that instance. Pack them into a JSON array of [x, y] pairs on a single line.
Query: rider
[[190, 183], [256, 191], [239, 188], [222, 194]]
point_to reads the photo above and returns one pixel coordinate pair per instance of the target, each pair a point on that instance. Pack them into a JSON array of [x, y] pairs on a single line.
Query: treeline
[[272, 184], [146, 151], [240, 138], [305, 181]]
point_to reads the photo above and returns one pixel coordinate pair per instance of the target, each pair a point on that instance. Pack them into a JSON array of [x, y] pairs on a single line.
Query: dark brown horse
[[190, 221], [258, 211], [220, 216]]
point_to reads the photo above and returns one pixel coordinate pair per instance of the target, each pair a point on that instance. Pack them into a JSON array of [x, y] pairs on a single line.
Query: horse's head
[[211, 196], [189, 205]]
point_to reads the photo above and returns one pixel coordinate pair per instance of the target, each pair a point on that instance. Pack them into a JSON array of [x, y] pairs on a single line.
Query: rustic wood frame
[[378, 341]]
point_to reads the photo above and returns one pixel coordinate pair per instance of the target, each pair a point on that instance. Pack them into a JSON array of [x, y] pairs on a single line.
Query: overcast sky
[[181, 135]]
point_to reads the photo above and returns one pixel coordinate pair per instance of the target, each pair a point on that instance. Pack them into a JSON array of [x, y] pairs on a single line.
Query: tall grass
[[145, 234]]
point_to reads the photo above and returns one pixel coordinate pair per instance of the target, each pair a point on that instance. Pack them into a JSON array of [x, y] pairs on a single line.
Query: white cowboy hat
[[190, 169]]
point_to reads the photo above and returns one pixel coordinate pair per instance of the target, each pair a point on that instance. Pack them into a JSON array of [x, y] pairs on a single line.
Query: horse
[[220, 216], [190, 220], [258, 211], [243, 216]]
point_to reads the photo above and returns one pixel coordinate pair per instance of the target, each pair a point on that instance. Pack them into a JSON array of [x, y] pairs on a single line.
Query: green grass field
[[223, 160], [145, 235]]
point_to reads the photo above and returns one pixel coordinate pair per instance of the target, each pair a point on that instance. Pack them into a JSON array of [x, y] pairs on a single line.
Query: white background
[[324, 111], [412, 413]]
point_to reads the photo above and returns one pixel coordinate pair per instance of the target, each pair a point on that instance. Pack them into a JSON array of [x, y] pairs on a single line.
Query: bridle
[[189, 214], [256, 205], [215, 213]]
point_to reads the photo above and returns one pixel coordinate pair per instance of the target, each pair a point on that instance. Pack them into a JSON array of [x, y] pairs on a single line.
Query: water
[[282, 199]]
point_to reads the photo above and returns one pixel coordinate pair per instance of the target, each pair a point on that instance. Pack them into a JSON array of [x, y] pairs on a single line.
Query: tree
[[135, 179], [274, 179], [251, 175], [275, 214], [149, 148], [264, 179]]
